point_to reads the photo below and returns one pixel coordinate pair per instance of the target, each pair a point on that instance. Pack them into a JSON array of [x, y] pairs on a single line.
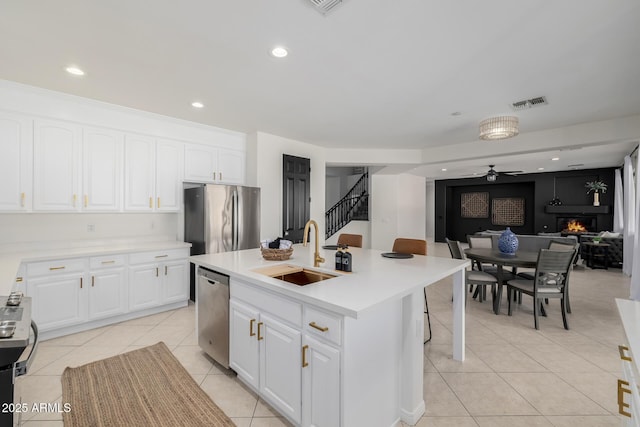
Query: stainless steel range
[[15, 327]]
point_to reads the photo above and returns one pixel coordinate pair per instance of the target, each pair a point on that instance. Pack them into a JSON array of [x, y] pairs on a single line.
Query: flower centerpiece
[[596, 187]]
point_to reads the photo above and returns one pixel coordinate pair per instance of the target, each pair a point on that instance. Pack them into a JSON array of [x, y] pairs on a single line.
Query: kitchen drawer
[[107, 261], [158, 256], [60, 266], [323, 324], [283, 308]]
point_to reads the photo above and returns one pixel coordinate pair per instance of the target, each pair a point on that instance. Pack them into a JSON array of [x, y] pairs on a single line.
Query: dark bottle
[[339, 258], [346, 260]]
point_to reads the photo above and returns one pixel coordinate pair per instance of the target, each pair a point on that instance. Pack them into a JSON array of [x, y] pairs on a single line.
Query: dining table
[[524, 259]]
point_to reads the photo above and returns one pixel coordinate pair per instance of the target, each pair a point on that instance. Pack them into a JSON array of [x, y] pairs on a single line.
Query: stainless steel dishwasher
[[212, 302]]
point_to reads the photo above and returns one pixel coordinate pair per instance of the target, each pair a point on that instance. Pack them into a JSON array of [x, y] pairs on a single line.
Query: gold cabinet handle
[[157, 272], [165, 270], [86, 200], [81, 283], [57, 268], [75, 198], [22, 196], [220, 174], [623, 356], [151, 202], [320, 328], [304, 356], [108, 262], [214, 176], [158, 203], [260, 337], [161, 256], [251, 333], [621, 391], [93, 281], [19, 279]]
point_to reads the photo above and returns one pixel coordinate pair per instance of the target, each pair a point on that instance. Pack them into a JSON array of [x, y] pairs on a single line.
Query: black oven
[[15, 337]]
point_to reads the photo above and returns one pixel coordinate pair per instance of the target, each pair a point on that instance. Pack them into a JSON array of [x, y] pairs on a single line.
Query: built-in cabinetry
[[16, 139], [205, 163], [102, 153], [628, 391], [74, 292], [288, 352]]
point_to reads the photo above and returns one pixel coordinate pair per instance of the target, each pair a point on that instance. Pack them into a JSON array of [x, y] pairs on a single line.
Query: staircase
[[353, 206]]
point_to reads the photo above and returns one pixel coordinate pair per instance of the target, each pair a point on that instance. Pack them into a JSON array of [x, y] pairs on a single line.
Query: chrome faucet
[[317, 259]]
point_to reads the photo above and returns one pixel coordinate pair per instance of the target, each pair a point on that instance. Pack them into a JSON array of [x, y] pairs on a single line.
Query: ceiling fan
[[492, 174]]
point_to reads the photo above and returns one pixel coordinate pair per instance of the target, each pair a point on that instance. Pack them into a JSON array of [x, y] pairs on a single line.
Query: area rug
[[145, 387]]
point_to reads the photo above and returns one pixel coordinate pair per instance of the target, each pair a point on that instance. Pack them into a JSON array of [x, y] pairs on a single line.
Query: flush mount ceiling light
[[197, 104], [501, 127], [279, 52], [75, 71]]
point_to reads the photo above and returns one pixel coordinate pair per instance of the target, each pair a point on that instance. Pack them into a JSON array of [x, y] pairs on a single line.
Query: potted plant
[[596, 187]]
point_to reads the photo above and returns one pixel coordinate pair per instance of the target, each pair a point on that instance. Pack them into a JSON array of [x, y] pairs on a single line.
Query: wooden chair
[[416, 247], [550, 281], [473, 277], [353, 240]]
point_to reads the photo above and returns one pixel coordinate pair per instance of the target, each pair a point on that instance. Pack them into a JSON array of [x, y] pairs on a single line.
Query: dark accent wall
[[537, 190]]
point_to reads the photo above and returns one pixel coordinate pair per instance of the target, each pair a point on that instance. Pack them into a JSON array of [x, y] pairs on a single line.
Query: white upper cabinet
[[153, 174], [169, 161], [56, 172], [16, 164], [206, 163], [102, 170]]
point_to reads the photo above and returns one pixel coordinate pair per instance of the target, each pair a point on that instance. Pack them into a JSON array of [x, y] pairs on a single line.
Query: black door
[[296, 198]]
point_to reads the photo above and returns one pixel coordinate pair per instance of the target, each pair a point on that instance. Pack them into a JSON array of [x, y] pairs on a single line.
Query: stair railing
[[354, 204]]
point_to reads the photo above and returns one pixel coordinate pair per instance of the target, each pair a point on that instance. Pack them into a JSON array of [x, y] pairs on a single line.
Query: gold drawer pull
[[622, 349], [158, 206], [22, 195], [81, 283], [260, 337], [251, 333], [161, 256], [19, 279], [108, 262], [304, 356], [93, 281], [320, 328], [86, 200], [57, 268], [150, 202], [621, 391]]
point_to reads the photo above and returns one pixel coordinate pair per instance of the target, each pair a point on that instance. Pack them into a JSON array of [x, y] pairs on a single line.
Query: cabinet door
[[280, 367], [144, 286], [56, 166], [320, 384], [107, 293], [16, 143], [58, 301], [243, 342], [231, 165], [200, 163], [176, 281], [169, 162], [139, 173], [102, 170]]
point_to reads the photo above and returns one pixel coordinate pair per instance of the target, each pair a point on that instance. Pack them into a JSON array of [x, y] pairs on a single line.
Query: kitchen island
[[343, 351]]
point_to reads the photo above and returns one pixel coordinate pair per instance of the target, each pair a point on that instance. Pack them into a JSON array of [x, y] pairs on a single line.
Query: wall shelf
[[576, 209]]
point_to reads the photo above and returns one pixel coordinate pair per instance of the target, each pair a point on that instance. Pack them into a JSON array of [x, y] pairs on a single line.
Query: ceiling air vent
[[529, 103], [324, 6]]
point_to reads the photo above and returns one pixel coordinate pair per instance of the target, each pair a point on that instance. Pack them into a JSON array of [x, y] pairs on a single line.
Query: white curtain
[[618, 208], [635, 271], [629, 217]]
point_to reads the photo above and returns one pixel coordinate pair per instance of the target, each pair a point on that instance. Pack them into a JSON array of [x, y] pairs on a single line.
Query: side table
[[597, 255]]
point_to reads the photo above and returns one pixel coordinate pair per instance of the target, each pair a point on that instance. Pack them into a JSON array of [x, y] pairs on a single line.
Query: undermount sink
[[295, 274]]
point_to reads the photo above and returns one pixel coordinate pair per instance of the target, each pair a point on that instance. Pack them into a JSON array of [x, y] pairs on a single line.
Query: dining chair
[[473, 277], [486, 242], [416, 247], [550, 281], [353, 240]]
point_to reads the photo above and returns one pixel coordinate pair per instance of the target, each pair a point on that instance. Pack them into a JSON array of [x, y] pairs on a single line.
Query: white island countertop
[[373, 281]]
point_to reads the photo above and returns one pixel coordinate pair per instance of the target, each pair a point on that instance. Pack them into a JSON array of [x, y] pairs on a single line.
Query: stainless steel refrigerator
[[221, 218]]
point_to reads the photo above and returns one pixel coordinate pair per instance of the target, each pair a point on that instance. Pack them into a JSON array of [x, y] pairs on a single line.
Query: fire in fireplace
[[577, 224]]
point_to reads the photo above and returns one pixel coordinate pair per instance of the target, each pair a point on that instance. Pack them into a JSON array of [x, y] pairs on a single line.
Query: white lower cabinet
[[144, 288], [295, 371], [58, 301], [157, 278], [108, 289]]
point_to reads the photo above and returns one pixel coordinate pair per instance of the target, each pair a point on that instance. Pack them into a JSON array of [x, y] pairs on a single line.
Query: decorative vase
[[508, 242], [596, 199]]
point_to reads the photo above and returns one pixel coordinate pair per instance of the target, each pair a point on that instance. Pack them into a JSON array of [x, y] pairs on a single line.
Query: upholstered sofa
[[531, 243], [615, 246]]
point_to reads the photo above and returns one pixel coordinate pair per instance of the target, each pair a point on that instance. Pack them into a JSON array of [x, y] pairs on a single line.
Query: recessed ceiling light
[[75, 71], [279, 52], [555, 158], [444, 169], [197, 104], [540, 169]]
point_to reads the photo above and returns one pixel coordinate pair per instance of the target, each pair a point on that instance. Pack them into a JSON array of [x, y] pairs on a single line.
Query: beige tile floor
[[513, 374]]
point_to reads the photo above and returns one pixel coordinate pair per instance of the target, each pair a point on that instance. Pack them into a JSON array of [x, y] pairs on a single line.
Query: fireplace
[[577, 224]]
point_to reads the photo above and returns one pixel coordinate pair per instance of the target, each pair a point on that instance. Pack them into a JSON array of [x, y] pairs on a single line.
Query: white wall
[[398, 209], [354, 227], [269, 151], [332, 191]]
